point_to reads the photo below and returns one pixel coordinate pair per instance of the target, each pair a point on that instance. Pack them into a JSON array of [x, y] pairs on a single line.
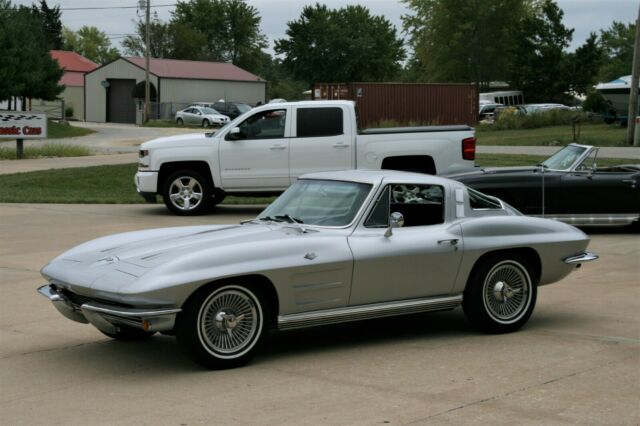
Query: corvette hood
[[125, 257]]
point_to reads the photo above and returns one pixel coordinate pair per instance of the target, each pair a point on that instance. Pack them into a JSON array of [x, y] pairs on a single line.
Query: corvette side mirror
[[396, 220]]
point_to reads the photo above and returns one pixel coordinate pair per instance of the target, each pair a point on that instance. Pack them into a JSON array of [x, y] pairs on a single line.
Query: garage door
[[120, 105]]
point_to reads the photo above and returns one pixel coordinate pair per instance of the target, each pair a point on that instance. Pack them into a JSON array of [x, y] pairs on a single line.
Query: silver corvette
[[335, 247]]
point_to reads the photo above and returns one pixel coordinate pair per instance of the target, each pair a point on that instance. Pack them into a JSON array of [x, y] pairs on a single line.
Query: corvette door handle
[[452, 241], [340, 145], [277, 147]]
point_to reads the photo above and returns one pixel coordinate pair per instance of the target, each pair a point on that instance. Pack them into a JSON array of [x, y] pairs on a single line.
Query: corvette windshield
[[565, 158], [318, 202]]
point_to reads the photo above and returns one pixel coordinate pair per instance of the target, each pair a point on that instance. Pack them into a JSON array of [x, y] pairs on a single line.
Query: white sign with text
[[23, 125]]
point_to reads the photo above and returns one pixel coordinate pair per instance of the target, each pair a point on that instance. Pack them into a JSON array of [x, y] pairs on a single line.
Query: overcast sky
[[584, 16]]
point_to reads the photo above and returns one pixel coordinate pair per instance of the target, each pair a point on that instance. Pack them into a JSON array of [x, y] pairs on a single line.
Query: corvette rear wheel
[[222, 327], [501, 294]]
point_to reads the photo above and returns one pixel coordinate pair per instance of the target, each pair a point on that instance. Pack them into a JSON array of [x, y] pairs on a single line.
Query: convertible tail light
[[469, 149]]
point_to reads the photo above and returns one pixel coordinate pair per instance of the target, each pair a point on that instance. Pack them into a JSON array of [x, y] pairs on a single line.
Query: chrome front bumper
[[581, 258], [110, 318]]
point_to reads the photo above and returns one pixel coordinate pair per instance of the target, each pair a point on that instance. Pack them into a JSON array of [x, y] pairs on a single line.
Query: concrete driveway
[[576, 362], [113, 138]]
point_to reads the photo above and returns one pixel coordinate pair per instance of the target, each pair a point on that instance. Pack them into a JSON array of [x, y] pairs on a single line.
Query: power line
[[113, 7], [105, 7]]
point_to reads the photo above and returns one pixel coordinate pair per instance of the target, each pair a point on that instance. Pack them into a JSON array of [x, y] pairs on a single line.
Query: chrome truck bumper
[[110, 318]]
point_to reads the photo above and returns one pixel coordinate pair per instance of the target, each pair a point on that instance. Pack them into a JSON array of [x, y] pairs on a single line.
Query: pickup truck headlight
[[143, 161]]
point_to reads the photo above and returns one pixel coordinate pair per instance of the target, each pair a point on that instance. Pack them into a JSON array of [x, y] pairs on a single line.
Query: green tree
[[461, 40], [280, 82], [91, 43], [538, 63], [170, 40], [51, 23], [617, 45], [583, 65], [27, 69], [347, 44], [230, 28]]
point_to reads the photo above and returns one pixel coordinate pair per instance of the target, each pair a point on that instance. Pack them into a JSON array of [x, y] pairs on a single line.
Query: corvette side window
[[480, 201], [379, 217], [420, 205]]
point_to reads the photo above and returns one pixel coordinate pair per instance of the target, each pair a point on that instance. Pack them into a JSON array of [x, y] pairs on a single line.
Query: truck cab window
[[318, 122], [264, 125]]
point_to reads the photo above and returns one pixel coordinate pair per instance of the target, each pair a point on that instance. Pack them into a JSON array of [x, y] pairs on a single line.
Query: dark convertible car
[[568, 186]]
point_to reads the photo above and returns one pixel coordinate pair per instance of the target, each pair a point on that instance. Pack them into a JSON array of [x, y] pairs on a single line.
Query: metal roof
[[72, 61], [174, 68], [74, 79]]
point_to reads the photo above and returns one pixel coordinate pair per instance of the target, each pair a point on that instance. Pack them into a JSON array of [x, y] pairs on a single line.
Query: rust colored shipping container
[[406, 103]]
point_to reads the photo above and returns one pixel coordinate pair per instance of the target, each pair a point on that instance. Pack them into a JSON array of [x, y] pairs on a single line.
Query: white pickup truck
[[264, 150]]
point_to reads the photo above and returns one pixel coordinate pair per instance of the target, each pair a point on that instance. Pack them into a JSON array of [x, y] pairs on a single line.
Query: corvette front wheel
[[222, 327]]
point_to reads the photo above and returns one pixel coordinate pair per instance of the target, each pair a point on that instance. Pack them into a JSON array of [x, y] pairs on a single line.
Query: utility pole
[[633, 95], [147, 107]]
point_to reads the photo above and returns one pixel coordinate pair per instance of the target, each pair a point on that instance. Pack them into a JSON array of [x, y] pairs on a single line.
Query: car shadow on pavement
[[162, 354], [401, 329]]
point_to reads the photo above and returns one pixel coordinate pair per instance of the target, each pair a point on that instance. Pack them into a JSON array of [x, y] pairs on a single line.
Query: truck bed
[[417, 129]]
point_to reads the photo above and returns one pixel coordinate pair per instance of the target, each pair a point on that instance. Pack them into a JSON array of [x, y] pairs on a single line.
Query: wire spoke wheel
[[506, 292], [229, 322]]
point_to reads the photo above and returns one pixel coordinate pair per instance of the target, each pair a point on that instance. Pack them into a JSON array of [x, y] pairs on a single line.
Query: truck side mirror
[[234, 134]]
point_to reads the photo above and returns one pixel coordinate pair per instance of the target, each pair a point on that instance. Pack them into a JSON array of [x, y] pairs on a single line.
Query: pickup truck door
[[259, 157], [322, 140], [420, 259]]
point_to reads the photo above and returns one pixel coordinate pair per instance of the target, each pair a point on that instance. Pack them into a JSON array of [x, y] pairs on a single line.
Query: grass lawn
[[57, 130], [114, 184], [45, 151], [90, 185], [590, 134]]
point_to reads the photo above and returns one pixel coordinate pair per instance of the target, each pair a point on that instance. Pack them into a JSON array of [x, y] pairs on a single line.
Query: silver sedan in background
[[201, 116]]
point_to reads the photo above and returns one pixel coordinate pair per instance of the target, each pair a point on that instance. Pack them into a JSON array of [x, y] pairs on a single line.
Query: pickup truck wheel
[[187, 193], [223, 326], [501, 294], [205, 123]]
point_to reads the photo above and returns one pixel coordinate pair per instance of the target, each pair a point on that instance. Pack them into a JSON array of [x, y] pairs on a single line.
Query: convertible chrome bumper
[[581, 258], [109, 318]]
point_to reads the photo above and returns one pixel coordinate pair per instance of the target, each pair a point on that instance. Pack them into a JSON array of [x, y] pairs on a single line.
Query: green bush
[[45, 151], [68, 112], [594, 102], [513, 119]]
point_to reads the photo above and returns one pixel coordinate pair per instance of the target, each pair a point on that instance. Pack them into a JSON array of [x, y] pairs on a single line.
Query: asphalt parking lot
[[576, 362]]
